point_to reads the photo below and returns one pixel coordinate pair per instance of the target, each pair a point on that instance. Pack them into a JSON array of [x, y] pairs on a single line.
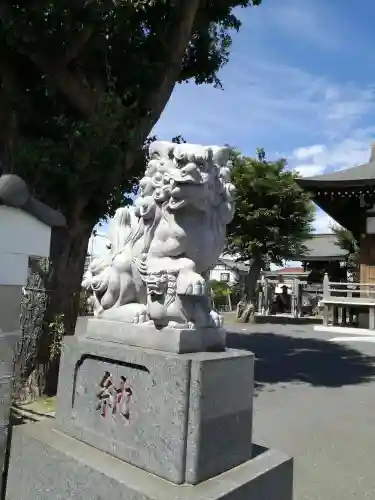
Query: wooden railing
[[346, 299], [354, 292]]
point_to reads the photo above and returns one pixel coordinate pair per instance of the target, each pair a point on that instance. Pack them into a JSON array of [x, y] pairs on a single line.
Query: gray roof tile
[[15, 193], [322, 247], [361, 175]]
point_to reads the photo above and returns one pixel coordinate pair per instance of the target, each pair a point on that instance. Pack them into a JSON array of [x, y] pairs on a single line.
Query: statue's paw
[[98, 284], [200, 287], [141, 317], [98, 310], [178, 326], [86, 283], [191, 283], [217, 319], [149, 322]]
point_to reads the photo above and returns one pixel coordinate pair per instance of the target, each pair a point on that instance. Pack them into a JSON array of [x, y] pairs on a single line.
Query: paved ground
[[315, 399]]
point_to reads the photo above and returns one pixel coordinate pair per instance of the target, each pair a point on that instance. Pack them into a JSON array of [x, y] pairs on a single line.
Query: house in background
[[230, 271]]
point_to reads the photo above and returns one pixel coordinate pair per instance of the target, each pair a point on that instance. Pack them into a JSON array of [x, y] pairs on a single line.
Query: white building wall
[[21, 233], [218, 272]]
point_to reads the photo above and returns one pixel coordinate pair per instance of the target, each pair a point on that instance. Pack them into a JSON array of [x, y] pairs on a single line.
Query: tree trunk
[[68, 253], [246, 307]]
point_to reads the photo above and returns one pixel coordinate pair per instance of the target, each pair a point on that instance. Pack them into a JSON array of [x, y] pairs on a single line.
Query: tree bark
[[177, 38], [246, 312], [68, 253], [8, 121]]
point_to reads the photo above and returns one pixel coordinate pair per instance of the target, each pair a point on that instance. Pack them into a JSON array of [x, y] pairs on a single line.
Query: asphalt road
[[315, 400]]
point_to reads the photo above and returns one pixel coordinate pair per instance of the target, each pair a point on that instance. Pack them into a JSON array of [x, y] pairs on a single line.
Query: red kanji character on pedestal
[[116, 399]]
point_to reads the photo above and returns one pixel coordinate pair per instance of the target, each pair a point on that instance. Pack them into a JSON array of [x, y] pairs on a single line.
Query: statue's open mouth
[[181, 178], [175, 203]]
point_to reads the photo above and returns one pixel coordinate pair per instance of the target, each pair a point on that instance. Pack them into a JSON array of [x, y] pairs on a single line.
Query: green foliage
[[273, 215], [219, 289], [87, 157], [83, 83], [346, 240]]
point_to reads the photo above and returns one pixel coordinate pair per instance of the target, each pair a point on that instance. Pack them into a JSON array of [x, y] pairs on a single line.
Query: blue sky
[[300, 83]]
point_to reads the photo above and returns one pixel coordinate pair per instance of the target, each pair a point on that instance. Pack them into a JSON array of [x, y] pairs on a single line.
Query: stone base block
[[46, 464], [147, 336], [183, 417]]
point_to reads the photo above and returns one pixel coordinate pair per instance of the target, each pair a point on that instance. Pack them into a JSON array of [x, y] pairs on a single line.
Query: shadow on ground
[[284, 359]]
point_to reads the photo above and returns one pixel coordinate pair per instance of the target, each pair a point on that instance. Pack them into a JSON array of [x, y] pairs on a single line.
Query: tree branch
[[176, 41], [75, 48], [83, 99]]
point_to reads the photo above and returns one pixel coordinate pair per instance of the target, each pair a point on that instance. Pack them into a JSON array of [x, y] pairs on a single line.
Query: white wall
[[21, 233], [21, 236], [217, 271], [13, 269]]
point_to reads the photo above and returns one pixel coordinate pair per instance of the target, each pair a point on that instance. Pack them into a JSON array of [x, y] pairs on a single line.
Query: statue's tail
[[120, 231]]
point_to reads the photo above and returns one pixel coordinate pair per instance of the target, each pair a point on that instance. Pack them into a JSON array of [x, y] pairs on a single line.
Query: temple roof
[[15, 193], [322, 247], [362, 175], [237, 266]]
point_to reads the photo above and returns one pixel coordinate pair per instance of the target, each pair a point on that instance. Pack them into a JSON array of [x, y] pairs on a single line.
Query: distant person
[[283, 300]]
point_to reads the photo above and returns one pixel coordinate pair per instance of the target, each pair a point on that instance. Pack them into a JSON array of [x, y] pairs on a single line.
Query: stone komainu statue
[[163, 248]]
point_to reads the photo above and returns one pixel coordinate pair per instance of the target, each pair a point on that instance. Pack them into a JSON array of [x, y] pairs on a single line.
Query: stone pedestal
[[167, 339], [141, 423]]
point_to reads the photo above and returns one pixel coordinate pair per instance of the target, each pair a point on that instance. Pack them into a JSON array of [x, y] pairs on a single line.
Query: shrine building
[[348, 196], [321, 255]]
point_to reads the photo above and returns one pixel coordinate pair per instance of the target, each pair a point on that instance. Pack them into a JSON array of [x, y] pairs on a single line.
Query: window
[[224, 277]]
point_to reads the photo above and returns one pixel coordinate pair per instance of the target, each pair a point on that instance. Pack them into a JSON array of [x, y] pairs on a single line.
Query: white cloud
[[348, 109], [309, 170], [305, 153], [349, 152], [341, 110]]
